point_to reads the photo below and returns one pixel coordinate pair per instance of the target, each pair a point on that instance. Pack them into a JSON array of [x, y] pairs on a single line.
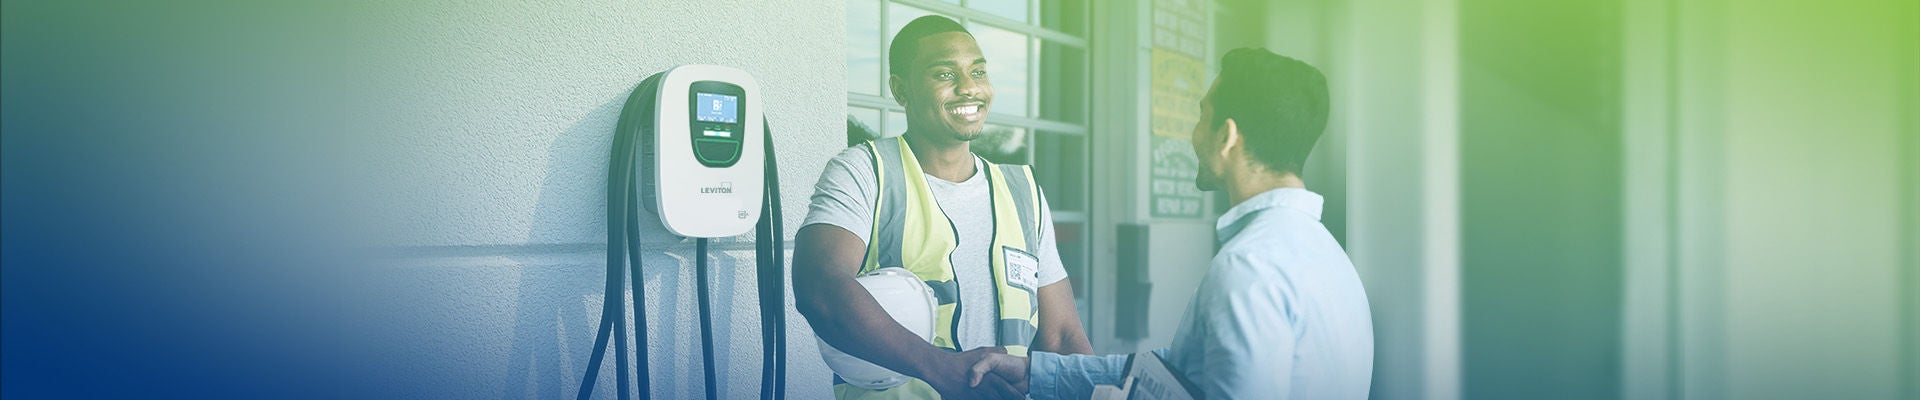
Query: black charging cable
[[706, 312], [770, 244], [639, 301], [623, 247], [623, 250]]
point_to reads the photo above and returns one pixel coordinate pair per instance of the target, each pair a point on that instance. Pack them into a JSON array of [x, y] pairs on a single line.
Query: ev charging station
[[701, 166], [685, 150]]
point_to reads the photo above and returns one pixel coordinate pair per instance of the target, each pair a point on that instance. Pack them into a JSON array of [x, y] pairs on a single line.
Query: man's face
[[1206, 145], [945, 90]]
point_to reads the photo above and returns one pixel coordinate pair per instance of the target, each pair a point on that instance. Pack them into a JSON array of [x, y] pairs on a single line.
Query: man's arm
[[1248, 336], [1060, 330], [1050, 372], [845, 315], [1053, 376]]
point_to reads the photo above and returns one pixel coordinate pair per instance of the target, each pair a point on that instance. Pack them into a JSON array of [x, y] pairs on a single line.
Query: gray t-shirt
[[845, 195]]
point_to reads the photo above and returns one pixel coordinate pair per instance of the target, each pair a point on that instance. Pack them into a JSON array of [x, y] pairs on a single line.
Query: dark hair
[[1279, 104], [906, 43]]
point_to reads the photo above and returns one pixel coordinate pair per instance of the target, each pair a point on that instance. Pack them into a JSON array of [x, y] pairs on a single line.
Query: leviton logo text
[[724, 188]]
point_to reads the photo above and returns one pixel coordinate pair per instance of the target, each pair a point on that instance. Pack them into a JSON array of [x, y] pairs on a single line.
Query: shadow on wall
[[561, 288], [556, 315]]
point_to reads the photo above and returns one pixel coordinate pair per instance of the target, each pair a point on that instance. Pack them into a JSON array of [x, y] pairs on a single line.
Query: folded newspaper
[[1148, 377]]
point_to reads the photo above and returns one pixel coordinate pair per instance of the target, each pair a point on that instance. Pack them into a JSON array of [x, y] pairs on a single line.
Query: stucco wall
[[494, 194]]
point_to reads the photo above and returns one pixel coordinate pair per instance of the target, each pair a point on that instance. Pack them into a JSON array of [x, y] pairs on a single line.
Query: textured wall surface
[[492, 189]]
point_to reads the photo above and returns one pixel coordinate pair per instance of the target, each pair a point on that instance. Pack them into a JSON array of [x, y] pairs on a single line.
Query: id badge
[[1023, 269]]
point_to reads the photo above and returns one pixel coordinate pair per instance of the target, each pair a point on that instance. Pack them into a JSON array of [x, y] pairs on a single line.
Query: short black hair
[[906, 43], [1279, 104]]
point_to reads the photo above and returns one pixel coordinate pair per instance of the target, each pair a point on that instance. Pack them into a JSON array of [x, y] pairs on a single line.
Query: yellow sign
[[1178, 84], [1179, 80]]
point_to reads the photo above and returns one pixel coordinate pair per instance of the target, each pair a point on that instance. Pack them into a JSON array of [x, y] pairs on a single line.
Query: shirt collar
[[1295, 199]]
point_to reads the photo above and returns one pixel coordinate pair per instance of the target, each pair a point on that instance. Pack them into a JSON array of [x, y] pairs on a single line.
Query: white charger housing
[[702, 157]]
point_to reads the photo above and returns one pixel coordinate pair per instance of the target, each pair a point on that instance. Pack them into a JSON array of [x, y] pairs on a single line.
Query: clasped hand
[[982, 373]]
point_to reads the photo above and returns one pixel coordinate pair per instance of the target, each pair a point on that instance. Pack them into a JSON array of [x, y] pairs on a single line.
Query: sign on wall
[[1179, 73]]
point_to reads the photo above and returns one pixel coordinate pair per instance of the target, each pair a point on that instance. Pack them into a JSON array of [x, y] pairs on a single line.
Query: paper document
[[1148, 377]]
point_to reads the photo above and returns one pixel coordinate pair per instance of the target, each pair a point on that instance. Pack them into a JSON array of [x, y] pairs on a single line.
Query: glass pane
[[863, 124], [1008, 56], [1012, 9], [896, 124], [898, 15], [1060, 164], [863, 47], [1001, 144], [1063, 83], [1068, 238], [1068, 16]]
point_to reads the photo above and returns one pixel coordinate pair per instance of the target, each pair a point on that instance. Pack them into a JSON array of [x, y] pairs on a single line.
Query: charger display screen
[[718, 108], [717, 115]]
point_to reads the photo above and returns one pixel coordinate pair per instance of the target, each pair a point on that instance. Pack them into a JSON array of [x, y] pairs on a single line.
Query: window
[[1037, 57]]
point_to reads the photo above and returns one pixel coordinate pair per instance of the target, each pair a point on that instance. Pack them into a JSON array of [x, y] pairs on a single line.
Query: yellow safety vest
[[910, 231]]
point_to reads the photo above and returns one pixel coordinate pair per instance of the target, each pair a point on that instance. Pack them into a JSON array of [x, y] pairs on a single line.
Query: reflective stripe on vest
[[911, 231]]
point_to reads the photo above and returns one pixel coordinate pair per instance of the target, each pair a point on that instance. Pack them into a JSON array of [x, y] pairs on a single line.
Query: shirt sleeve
[[1250, 336], [845, 194], [1051, 269], [1071, 376]]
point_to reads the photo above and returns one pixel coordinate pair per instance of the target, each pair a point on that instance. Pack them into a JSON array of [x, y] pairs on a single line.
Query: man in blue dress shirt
[[1281, 312]]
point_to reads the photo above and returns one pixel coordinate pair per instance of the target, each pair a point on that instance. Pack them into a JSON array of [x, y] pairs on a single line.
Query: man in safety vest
[[977, 233]]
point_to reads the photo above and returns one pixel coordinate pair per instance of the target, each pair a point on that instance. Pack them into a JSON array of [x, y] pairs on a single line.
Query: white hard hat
[[910, 302]]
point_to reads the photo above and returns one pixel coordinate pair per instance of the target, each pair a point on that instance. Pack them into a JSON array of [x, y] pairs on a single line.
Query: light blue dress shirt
[[1280, 314]]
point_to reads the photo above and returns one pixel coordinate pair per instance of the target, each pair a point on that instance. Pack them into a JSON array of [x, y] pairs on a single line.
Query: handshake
[[982, 373]]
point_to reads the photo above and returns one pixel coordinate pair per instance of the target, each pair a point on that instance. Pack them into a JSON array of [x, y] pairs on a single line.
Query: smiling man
[[1280, 312], [979, 234]]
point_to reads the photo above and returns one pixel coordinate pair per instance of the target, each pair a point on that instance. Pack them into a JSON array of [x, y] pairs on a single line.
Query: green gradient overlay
[[180, 178], [1791, 138], [1541, 211]]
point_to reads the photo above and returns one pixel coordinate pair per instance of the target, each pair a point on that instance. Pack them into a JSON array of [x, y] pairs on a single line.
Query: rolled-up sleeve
[[1072, 376], [844, 196]]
